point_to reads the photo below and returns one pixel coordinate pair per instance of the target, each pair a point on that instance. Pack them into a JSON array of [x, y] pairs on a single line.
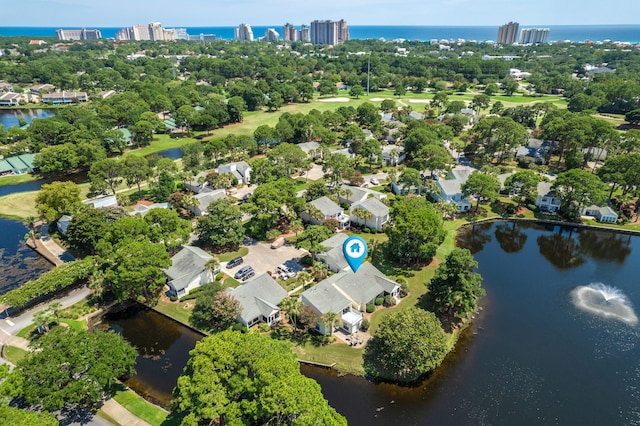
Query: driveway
[[244, 190], [314, 174], [263, 258]]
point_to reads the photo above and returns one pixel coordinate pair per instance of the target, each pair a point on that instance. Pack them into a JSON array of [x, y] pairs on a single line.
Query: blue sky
[[120, 13]]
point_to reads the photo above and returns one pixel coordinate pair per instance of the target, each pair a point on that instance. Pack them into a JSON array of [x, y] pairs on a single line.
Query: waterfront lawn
[[176, 310], [160, 143], [140, 408], [348, 360], [19, 205], [15, 179], [13, 354]]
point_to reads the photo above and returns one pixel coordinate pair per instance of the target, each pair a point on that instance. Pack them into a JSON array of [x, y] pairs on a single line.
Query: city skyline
[[77, 13]]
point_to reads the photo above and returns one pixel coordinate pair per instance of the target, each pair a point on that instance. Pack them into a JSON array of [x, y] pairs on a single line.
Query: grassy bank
[[137, 406], [13, 354], [15, 179]]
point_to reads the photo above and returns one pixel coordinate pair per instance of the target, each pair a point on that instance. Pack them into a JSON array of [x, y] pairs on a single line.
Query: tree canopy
[[57, 199], [236, 378], [408, 344], [71, 367]]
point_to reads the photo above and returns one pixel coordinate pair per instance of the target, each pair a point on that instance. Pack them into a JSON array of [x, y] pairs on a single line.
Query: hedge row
[[57, 279]]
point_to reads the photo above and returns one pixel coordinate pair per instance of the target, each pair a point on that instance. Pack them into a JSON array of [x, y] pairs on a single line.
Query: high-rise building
[[271, 35], [125, 34], [290, 33], [156, 32], [243, 32], [329, 32], [82, 34], [534, 35], [343, 31], [507, 33], [141, 32], [305, 34], [180, 34]]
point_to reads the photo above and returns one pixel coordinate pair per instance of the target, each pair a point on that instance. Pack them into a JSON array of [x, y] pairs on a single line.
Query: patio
[[356, 340]]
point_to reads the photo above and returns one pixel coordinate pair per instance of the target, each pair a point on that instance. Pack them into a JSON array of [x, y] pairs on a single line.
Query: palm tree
[[304, 277], [96, 283], [212, 265], [32, 230], [361, 214], [320, 270], [330, 319], [55, 307], [293, 308], [314, 213], [343, 192], [296, 226], [43, 319]]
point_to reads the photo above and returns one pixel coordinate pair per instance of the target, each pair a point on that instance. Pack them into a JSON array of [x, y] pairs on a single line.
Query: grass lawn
[[348, 360], [14, 179], [225, 257], [160, 143], [141, 408], [24, 333], [75, 324], [176, 310], [14, 354], [19, 205]]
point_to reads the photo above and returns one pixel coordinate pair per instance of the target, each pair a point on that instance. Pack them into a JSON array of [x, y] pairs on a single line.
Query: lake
[[11, 117], [19, 263], [557, 340]]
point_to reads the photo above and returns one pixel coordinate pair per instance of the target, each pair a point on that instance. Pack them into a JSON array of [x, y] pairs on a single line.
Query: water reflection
[[561, 249], [510, 237], [163, 346], [474, 237], [605, 245]]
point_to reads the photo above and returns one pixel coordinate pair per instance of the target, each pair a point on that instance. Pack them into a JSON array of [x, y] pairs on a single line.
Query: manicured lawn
[[14, 354], [141, 408], [19, 205], [76, 325], [160, 143], [225, 257], [347, 359], [106, 417], [24, 333], [13, 179], [176, 310]]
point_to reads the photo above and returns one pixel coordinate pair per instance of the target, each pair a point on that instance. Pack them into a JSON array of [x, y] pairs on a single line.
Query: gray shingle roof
[[186, 265], [207, 197], [375, 206], [258, 296], [450, 186], [338, 291], [326, 206]]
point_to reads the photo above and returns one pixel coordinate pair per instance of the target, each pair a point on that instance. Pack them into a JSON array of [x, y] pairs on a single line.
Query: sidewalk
[[121, 414]]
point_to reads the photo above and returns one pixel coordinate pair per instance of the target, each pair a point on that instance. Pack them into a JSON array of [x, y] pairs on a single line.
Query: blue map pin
[[355, 251]]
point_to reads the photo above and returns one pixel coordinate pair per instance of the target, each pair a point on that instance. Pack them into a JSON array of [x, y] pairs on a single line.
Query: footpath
[[121, 415]]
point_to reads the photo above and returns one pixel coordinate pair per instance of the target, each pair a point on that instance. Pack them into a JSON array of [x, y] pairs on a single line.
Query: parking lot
[[263, 258]]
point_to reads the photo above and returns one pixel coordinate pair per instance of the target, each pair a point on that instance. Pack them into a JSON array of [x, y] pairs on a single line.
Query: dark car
[[245, 270], [234, 262]]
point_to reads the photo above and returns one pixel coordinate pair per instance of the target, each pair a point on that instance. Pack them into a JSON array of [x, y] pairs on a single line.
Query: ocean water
[[576, 33]]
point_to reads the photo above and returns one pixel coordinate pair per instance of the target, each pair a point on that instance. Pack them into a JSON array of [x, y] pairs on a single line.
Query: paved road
[[12, 325]]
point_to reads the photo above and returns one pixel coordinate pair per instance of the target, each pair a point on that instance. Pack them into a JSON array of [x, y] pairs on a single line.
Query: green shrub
[[389, 301], [367, 230], [264, 327], [379, 301], [404, 290], [173, 298], [370, 308], [365, 325], [239, 327], [272, 234], [219, 276], [401, 279]]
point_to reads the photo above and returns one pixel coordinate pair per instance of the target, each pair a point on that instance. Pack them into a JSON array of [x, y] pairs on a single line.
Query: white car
[[284, 270], [374, 181]]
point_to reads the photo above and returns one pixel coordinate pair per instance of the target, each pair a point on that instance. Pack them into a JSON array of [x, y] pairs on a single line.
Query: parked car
[[234, 262], [279, 242], [284, 270], [245, 197], [302, 173], [242, 272], [374, 181], [248, 275]]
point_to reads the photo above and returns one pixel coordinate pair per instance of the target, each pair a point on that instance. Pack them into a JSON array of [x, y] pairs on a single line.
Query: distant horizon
[[298, 25], [203, 13]]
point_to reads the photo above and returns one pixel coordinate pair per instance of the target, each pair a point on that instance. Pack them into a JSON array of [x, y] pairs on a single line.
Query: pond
[[556, 343], [19, 263], [11, 117], [163, 350], [557, 340]]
